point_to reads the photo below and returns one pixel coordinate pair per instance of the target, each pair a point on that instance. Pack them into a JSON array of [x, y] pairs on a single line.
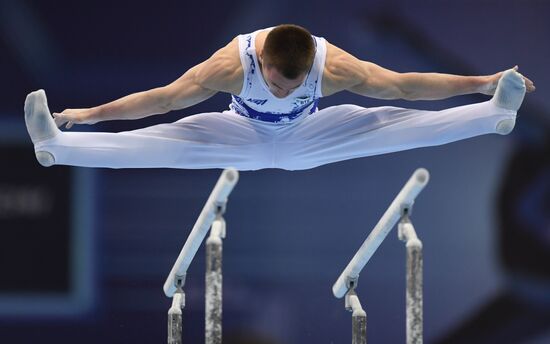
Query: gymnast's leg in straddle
[[348, 131]]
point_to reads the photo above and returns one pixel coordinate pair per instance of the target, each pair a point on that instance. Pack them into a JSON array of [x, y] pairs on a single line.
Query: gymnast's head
[[286, 58]]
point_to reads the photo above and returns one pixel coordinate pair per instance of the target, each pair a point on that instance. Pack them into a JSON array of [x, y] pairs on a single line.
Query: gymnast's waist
[[241, 108]]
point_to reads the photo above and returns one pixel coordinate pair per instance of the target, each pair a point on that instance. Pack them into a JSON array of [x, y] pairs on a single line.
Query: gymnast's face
[[278, 85]]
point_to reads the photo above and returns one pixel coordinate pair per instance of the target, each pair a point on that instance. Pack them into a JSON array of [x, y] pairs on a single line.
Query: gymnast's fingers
[[530, 86], [59, 119]]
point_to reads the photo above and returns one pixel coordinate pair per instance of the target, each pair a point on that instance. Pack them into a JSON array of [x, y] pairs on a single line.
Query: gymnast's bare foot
[[40, 124]]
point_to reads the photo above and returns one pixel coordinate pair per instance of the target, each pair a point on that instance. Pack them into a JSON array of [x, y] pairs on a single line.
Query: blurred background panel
[[102, 241], [46, 247]]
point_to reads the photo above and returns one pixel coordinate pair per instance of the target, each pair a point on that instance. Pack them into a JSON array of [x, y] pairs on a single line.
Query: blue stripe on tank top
[[272, 117]]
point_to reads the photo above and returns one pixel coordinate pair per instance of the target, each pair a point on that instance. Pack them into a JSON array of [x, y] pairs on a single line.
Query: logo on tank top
[[257, 101], [301, 101]]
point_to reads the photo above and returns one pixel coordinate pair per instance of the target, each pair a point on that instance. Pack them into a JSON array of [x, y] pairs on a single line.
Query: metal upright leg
[[358, 318], [213, 317], [175, 320], [414, 281]]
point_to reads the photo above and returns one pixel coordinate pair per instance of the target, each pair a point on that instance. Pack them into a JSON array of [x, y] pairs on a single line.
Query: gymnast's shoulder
[[342, 70], [223, 70]]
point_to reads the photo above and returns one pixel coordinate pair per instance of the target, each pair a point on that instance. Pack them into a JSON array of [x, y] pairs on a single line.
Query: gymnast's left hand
[[491, 86], [72, 116]]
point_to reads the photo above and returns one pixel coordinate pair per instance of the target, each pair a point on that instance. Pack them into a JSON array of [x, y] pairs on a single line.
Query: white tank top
[[256, 101]]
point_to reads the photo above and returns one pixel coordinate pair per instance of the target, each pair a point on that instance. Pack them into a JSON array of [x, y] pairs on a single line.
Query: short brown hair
[[290, 49]]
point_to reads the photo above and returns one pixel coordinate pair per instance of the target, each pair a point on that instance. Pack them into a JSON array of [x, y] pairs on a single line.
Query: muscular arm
[[221, 72], [345, 72]]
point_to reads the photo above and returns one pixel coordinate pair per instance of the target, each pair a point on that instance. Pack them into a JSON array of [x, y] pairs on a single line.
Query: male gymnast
[[276, 77]]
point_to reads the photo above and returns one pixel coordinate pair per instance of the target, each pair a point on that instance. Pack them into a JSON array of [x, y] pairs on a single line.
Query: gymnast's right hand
[[72, 116]]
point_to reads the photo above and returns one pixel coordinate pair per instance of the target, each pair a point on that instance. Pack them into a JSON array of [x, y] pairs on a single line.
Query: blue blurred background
[[84, 253]]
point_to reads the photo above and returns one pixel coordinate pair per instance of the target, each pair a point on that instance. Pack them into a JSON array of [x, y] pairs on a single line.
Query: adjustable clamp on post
[[351, 284], [406, 212]]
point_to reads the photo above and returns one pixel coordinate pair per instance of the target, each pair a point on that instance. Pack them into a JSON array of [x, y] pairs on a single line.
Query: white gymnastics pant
[[221, 140]]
